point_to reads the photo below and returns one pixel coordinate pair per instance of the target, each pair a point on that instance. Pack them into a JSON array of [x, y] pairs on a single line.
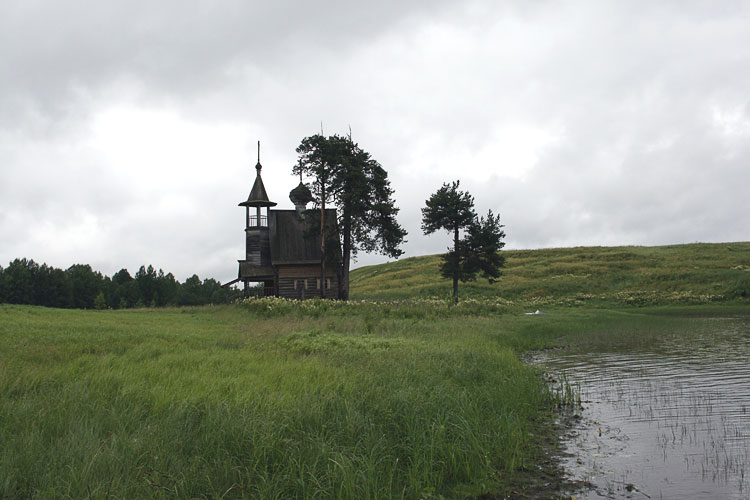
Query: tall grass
[[282, 399], [236, 402]]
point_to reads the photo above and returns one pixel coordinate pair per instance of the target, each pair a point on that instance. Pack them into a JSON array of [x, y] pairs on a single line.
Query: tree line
[[80, 287]]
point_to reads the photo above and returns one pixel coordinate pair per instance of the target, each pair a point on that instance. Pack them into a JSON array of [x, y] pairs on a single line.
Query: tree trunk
[[345, 278], [322, 240], [455, 265], [346, 258]]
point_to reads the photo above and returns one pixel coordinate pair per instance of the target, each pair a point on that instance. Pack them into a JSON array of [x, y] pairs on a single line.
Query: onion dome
[[300, 195]]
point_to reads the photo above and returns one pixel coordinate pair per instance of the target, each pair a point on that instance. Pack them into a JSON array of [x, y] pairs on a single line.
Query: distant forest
[[80, 287]]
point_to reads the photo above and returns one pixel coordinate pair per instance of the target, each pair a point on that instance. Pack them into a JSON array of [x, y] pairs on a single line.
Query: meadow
[[260, 401], [271, 398]]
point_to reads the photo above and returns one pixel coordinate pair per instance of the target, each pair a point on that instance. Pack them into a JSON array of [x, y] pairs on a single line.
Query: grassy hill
[[691, 273]]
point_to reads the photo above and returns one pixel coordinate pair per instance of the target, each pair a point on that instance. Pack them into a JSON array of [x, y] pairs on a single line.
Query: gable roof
[[295, 239]]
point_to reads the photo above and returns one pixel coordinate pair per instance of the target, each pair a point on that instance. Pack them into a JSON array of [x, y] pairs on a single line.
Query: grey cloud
[[54, 52], [631, 91]]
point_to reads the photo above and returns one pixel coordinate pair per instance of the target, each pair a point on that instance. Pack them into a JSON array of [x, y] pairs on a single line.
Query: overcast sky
[[128, 128]]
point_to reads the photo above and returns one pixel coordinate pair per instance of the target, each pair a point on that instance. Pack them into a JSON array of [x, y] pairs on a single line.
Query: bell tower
[[257, 242]]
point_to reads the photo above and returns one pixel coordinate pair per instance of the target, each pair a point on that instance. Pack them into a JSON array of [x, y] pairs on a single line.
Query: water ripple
[[668, 419]]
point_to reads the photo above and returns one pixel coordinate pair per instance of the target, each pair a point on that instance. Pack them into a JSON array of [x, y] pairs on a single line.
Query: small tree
[[481, 247], [453, 210], [100, 302]]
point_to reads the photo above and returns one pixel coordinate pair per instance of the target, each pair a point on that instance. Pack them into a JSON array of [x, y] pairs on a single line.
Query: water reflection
[[663, 419]]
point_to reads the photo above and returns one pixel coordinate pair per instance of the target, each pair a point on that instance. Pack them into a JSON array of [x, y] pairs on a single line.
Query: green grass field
[[687, 274], [248, 402], [280, 399]]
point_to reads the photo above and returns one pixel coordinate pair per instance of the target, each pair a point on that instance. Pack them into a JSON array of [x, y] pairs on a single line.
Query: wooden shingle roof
[[258, 196], [295, 239]]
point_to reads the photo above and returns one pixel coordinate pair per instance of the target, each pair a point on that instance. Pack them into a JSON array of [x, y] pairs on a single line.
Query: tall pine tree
[[349, 178]]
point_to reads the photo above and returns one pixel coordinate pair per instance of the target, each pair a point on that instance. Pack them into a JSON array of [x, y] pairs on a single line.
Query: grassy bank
[[604, 276], [269, 400]]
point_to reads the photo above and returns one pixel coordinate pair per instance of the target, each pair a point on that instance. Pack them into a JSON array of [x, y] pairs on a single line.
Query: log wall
[[257, 246], [297, 282]]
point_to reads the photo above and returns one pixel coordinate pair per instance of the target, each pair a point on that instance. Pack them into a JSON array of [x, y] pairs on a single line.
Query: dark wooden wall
[[288, 275], [258, 246]]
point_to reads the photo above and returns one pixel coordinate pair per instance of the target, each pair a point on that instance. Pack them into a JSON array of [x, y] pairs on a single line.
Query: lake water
[[662, 418]]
